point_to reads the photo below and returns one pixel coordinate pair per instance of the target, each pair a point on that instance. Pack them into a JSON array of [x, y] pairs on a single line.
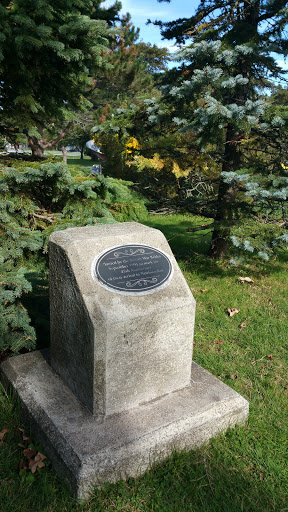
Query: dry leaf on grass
[[204, 291], [232, 311], [245, 280], [33, 460], [29, 453], [37, 462], [270, 356], [219, 342], [243, 324], [234, 376], [2, 434]]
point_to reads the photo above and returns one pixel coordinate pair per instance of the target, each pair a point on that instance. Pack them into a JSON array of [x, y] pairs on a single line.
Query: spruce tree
[[227, 66], [48, 52]]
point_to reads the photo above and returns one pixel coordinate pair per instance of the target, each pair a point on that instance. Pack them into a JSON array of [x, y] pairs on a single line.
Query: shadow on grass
[[183, 243], [190, 482], [191, 250]]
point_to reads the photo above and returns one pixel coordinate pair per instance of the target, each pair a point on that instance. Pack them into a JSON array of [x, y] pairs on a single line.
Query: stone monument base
[[88, 452]]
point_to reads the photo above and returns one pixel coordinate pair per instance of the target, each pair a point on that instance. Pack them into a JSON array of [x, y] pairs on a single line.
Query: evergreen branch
[[44, 217], [59, 137], [272, 10]]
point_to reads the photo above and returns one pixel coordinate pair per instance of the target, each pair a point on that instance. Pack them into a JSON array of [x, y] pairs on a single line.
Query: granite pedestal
[[118, 392]]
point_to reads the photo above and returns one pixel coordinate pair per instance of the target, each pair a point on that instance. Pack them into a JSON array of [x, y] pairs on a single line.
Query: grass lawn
[[75, 159], [245, 469]]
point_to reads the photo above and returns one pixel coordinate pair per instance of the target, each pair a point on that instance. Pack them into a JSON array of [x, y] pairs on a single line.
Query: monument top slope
[[82, 246], [69, 235]]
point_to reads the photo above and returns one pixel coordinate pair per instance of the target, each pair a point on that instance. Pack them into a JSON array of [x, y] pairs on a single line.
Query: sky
[[141, 10]]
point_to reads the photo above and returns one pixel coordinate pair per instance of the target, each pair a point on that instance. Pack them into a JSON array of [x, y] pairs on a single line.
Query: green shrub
[[35, 201]]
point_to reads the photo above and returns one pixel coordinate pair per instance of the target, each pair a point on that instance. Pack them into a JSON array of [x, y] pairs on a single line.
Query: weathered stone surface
[[124, 445], [116, 351], [118, 392]]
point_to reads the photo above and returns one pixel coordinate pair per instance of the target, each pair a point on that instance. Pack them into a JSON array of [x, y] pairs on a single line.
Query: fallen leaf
[[234, 376], [37, 462], [2, 434], [33, 460], [34, 465], [21, 445], [245, 280], [40, 456], [232, 311], [29, 453], [219, 342], [204, 291], [270, 356], [243, 325]]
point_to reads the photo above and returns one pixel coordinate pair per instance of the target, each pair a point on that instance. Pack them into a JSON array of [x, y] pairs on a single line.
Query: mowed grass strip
[[243, 469]]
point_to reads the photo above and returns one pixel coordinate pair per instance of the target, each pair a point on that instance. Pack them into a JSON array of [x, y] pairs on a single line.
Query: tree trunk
[[39, 145], [64, 154], [93, 156], [223, 219], [36, 147], [246, 29], [225, 207]]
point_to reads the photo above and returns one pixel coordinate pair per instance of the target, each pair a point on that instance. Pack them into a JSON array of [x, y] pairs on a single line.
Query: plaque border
[[134, 293]]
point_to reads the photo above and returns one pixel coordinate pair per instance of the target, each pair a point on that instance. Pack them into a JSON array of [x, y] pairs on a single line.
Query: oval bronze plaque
[[133, 269]]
